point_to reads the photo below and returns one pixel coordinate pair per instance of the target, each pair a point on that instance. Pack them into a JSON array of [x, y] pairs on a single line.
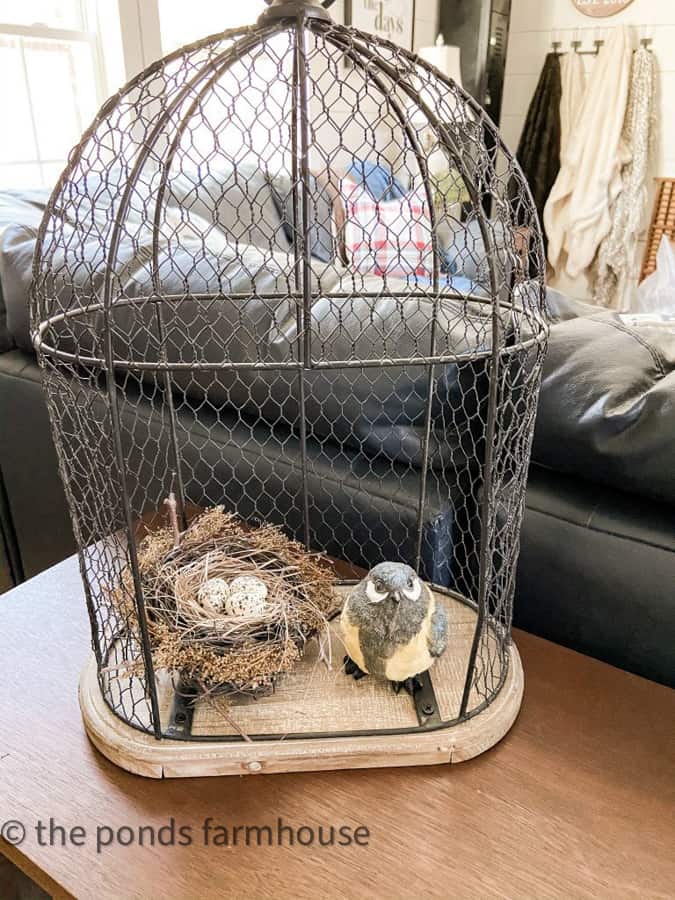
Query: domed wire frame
[[205, 326]]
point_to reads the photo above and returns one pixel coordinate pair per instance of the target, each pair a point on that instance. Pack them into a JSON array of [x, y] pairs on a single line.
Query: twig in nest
[[222, 708], [323, 640], [172, 508]]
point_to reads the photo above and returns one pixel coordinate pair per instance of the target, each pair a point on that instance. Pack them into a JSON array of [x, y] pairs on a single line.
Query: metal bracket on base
[[182, 711], [425, 701]]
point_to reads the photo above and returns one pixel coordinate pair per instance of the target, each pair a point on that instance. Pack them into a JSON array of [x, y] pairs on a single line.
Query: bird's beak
[[396, 596]]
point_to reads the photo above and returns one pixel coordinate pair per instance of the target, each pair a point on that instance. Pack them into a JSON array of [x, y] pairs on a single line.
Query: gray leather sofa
[[597, 566]]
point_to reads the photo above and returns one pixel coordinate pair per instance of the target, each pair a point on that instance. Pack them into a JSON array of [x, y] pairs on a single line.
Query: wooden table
[[577, 801]]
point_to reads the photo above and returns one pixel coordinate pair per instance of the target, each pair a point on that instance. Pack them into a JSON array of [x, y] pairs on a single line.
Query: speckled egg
[[213, 595], [248, 596]]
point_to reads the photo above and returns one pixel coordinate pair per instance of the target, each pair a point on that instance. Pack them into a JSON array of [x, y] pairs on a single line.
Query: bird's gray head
[[392, 602], [392, 584]]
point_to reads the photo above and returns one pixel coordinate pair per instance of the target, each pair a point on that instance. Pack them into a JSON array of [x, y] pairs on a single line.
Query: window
[[205, 17], [52, 78], [250, 128], [60, 59]]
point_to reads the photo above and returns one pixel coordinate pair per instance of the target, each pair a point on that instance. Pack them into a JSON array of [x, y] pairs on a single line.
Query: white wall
[[426, 23], [140, 24], [426, 20], [343, 127], [536, 23]]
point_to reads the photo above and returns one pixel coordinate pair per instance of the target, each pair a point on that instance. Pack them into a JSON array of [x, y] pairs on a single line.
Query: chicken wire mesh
[[251, 289]]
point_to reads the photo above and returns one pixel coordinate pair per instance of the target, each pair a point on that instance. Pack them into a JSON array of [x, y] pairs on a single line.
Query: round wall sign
[[600, 8]]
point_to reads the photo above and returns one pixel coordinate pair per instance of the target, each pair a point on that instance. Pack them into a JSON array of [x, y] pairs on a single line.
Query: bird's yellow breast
[[407, 660], [413, 657]]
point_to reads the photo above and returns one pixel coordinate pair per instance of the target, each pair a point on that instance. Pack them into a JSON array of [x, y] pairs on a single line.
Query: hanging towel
[[614, 283], [573, 79], [539, 146], [577, 213]]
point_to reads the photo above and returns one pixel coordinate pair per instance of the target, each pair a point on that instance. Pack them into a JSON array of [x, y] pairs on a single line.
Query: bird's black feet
[[352, 669], [410, 685]]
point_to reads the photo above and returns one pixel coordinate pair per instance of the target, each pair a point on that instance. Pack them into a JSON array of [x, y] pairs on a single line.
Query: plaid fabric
[[390, 238]]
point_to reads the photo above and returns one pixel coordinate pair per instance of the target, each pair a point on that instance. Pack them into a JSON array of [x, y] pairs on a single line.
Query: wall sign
[[390, 19], [601, 8]]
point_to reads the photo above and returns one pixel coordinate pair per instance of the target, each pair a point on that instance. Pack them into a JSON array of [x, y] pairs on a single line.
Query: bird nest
[[207, 646]]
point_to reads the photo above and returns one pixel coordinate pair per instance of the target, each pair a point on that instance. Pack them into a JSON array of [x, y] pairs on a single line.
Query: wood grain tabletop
[[577, 801]]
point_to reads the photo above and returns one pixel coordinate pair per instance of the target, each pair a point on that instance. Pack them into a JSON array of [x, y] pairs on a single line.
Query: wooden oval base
[[314, 699]]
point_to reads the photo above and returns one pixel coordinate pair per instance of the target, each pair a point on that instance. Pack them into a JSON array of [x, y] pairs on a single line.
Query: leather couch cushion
[[596, 573], [16, 261], [35, 496], [322, 201], [596, 565], [607, 405], [23, 207], [381, 410], [361, 509]]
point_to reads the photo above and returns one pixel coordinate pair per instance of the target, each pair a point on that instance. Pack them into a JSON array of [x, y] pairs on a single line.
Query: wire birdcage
[[292, 269]]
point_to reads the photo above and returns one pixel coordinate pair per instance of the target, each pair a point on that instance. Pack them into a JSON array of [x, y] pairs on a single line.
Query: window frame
[[39, 31], [140, 34]]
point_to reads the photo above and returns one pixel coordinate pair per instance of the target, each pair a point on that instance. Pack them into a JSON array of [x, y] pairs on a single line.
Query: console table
[[576, 801]]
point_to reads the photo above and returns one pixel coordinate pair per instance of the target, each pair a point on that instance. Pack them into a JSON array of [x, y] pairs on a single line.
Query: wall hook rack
[[576, 45], [556, 47]]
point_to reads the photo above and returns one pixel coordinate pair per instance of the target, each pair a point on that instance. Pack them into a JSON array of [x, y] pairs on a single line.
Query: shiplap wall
[[536, 23]]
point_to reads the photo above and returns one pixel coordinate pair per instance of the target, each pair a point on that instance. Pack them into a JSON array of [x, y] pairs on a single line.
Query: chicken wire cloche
[[273, 352]]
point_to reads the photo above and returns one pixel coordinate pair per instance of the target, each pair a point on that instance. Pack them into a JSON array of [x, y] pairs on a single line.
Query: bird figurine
[[393, 627]]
